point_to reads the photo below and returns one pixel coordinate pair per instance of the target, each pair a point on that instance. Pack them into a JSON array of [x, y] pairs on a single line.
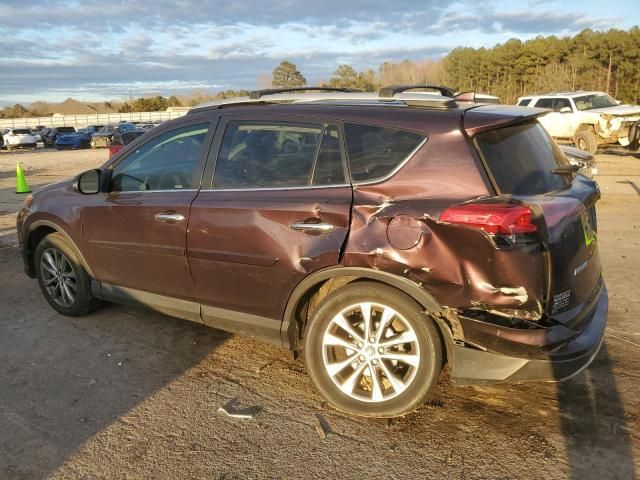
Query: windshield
[[521, 158], [597, 100], [21, 131]]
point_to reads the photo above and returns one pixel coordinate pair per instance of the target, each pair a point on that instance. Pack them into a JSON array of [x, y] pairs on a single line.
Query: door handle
[[169, 217], [312, 227]]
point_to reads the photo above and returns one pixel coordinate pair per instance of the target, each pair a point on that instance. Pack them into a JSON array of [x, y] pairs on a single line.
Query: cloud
[[106, 49]]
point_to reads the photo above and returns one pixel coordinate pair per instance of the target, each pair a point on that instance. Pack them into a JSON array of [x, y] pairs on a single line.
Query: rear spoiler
[[489, 117]]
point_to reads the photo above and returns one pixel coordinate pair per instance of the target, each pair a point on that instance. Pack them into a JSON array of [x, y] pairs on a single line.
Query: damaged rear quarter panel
[[459, 266]]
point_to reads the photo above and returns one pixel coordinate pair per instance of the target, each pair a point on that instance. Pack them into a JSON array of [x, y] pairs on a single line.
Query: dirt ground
[[127, 393]]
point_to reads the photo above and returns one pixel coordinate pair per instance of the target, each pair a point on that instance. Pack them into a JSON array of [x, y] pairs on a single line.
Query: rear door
[[520, 158], [274, 208]]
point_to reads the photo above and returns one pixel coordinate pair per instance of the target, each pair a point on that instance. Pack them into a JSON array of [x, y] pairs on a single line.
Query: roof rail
[[413, 99], [256, 94], [391, 90]]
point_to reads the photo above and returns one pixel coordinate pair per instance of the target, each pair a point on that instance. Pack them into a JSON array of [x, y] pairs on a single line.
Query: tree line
[[606, 61], [591, 60]]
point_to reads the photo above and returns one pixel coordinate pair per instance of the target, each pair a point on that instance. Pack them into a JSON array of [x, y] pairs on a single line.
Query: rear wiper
[[566, 170]]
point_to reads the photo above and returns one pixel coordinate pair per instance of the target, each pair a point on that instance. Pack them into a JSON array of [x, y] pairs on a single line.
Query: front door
[[135, 235], [560, 122], [276, 209]]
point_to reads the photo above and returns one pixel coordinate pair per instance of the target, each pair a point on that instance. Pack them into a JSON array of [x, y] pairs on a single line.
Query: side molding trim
[[261, 328], [174, 307]]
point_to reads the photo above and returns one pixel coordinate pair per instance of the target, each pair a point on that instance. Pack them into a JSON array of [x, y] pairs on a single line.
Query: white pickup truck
[[588, 119]]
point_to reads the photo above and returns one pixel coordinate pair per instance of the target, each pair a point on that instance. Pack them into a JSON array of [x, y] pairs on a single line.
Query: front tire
[[371, 351], [62, 278], [586, 141]]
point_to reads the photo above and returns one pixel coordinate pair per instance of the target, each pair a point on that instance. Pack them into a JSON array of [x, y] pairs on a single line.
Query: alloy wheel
[[58, 277], [370, 352]]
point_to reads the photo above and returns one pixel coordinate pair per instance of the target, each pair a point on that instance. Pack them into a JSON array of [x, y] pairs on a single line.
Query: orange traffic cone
[[21, 183]]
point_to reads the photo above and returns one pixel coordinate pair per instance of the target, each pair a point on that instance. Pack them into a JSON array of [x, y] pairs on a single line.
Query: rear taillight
[[493, 218], [113, 149]]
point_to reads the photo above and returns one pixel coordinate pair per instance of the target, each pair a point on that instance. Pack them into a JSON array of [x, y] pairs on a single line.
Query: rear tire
[[63, 280], [586, 141], [387, 372]]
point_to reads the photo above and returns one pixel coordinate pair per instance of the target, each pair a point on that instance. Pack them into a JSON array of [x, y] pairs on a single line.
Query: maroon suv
[[383, 236]]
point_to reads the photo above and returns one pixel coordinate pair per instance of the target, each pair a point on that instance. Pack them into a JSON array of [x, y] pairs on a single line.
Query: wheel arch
[[40, 229], [302, 297]]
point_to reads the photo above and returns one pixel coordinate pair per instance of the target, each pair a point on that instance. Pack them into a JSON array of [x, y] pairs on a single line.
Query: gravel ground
[[126, 393]]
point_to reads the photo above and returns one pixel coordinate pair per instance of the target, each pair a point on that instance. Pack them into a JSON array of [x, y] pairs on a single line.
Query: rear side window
[[278, 155], [374, 151], [521, 158], [329, 169]]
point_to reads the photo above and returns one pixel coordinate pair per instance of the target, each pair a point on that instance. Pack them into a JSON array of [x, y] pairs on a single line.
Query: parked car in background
[[380, 236], [588, 119], [119, 140], [92, 128], [15, 138], [37, 132], [104, 136], [49, 138], [585, 161], [74, 140]]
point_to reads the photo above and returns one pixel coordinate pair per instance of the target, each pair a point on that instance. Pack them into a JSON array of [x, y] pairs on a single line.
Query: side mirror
[[565, 110], [88, 183]]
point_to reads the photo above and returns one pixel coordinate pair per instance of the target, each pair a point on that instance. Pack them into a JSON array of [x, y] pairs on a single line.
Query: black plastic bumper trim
[[472, 366]]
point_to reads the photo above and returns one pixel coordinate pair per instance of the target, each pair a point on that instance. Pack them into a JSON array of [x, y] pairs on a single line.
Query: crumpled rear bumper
[[475, 366]]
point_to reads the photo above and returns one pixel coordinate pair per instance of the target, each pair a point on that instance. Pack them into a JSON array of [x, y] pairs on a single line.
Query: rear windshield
[[66, 129], [521, 158]]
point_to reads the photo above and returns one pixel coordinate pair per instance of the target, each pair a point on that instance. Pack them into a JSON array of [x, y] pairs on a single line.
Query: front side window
[[374, 151], [278, 155], [545, 103], [167, 162], [560, 103]]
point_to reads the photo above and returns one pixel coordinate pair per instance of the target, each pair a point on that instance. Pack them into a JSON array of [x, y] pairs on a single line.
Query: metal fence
[[80, 121]]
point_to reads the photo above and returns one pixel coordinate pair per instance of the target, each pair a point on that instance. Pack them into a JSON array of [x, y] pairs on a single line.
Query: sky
[[108, 49]]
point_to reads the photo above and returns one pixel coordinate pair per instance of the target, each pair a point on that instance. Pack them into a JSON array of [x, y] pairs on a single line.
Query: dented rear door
[[276, 208]]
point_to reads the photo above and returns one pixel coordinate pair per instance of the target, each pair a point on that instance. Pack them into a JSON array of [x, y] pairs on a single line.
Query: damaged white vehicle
[[588, 119]]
